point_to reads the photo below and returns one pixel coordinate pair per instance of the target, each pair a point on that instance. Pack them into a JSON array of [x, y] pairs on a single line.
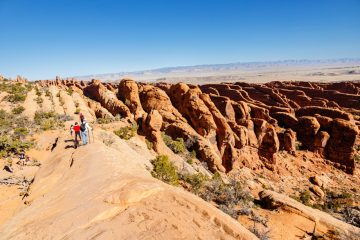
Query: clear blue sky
[[43, 38]]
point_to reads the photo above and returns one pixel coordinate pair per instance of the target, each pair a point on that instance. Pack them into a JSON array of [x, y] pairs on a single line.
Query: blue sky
[[41, 38]]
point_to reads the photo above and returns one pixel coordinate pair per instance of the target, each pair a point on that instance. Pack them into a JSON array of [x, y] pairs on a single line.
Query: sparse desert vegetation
[[17, 92], [205, 166], [13, 134], [127, 132]]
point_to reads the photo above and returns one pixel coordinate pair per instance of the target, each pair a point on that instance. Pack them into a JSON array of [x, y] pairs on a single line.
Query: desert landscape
[[191, 159], [179, 120]]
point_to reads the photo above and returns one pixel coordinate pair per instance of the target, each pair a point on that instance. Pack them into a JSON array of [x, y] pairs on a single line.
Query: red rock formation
[[320, 142], [307, 129], [151, 127], [286, 120], [327, 112], [234, 124], [226, 139], [225, 107], [268, 142], [97, 91], [128, 92], [176, 126], [340, 145], [193, 108]]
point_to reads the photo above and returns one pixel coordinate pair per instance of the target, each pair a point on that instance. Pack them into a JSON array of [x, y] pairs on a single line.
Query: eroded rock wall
[[235, 124]]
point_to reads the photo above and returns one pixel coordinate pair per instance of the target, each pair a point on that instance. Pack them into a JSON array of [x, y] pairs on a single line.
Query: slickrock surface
[[99, 192]]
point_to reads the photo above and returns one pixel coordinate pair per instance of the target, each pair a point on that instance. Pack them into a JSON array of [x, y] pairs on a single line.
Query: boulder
[[316, 180]]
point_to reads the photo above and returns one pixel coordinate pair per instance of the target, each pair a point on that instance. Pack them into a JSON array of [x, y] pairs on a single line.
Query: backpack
[[83, 127]]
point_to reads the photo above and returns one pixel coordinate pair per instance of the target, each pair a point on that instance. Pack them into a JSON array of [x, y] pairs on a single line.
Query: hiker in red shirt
[[76, 129]]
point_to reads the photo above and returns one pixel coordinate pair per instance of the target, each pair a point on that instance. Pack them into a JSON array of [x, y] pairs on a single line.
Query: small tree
[[165, 170]]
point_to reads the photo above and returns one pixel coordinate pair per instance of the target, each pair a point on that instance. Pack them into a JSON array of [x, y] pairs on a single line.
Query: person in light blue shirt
[[85, 131]]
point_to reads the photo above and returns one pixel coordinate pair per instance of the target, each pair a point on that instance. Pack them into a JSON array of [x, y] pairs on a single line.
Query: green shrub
[[127, 132], [104, 120], [230, 194], [177, 146], [228, 197], [77, 111], [37, 91], [58, 94], [21, 131], [5, 120], [70, 91], [39, 100], [196, 181], [17, 92], [12, 133], [9, 145], [39, 116], [149, 144], [18, 110], [190, 156], [16, 97], [357, 158], [165, 170], [48, 120], [29, 87], [48, 124], [47, 93], [334, 202], [305, 197], [345, 195], [298, 145]]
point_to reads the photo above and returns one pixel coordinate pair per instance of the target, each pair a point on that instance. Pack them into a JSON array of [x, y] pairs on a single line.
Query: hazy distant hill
[[225, 70]]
